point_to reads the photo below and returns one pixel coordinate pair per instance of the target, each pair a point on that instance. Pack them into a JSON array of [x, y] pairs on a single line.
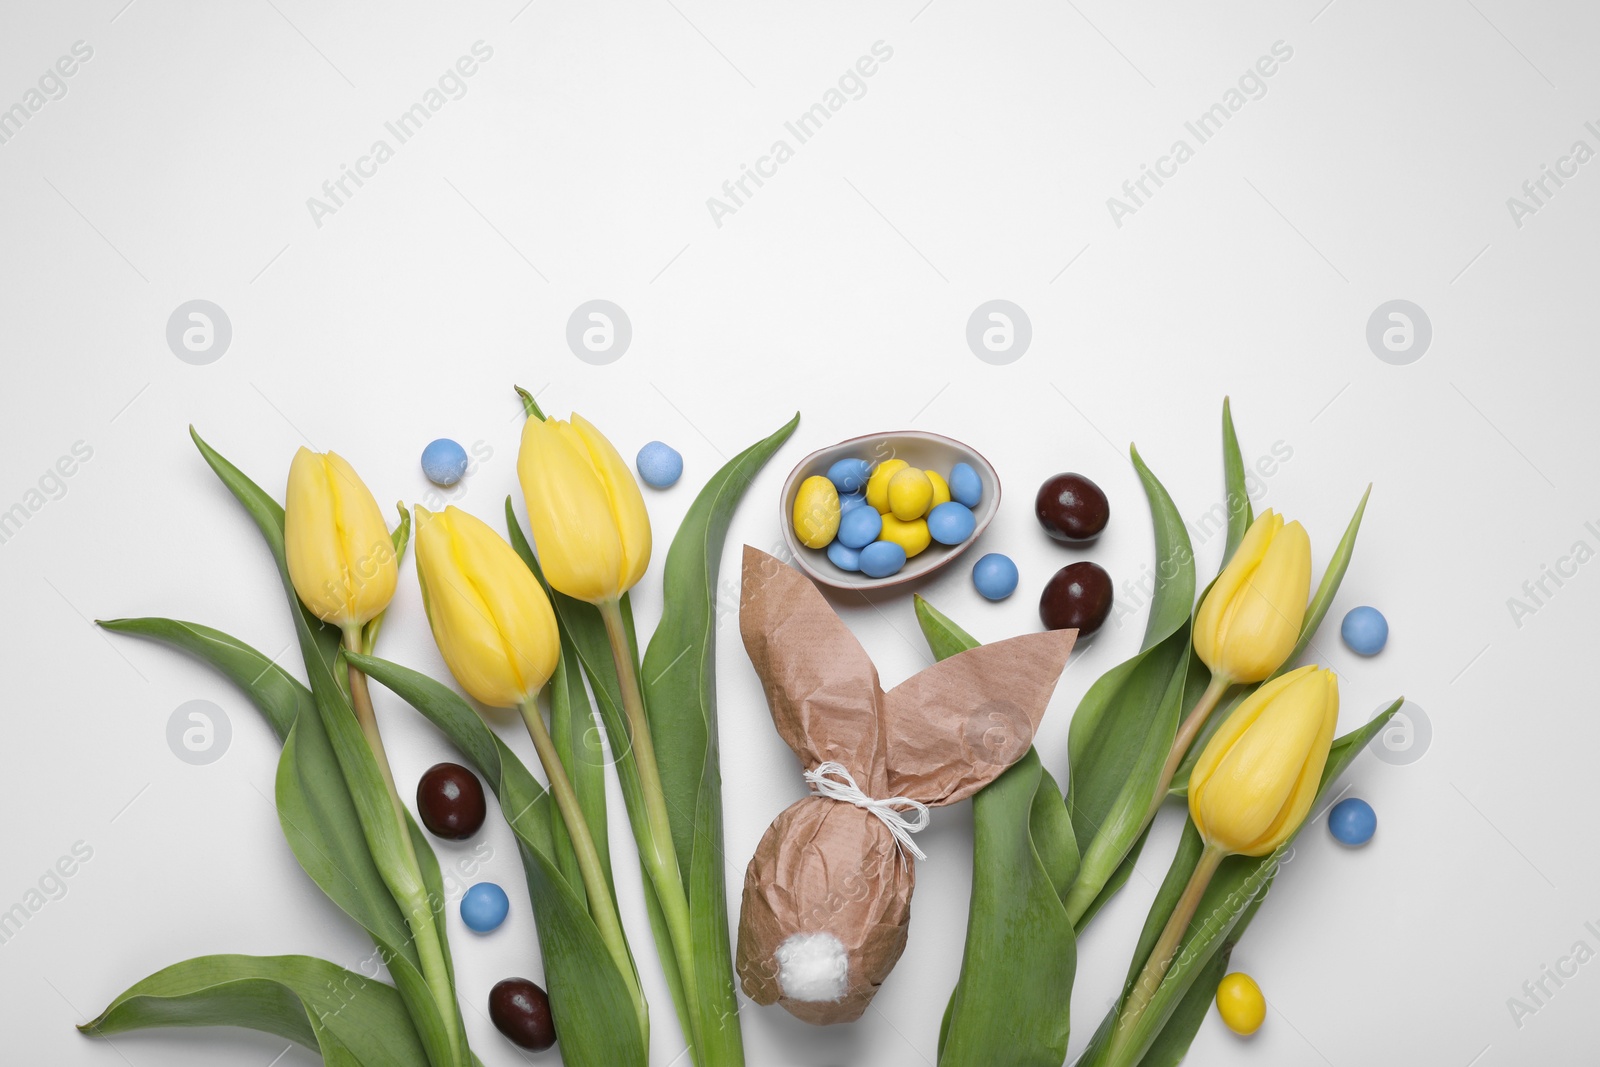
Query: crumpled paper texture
[[828, 866]]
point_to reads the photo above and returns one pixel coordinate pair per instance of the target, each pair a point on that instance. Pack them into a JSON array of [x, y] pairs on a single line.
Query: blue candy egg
[[851, 501], [951, 523], [965, 485], [844, 557], [444, 461], [881, 559], [995, 576], [485, 907], [1352, 821], [859, 527], [1365, 630], [850, 475], [659, 465]]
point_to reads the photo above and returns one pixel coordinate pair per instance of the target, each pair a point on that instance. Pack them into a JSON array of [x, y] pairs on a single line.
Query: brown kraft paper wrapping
[[827, 896]]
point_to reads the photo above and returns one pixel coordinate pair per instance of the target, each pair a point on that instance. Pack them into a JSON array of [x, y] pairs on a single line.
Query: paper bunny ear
[[955, 727], [821, 685]]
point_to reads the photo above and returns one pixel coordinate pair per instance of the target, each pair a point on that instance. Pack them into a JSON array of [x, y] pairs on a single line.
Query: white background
[[976, 166]]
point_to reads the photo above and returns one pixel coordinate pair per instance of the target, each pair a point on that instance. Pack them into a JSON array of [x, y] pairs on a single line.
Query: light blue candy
[[965, 485], [995, 576], [859, 527], [485, 907], [851, 501], [881, 559], [850, 475], [1352, 821], [951, 523], [444, 461], [660, 465], [1365, 630], [844, 557]]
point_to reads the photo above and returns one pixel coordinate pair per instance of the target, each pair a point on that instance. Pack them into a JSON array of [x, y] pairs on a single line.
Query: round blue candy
[[1365, 630], [843, 556], [1352, 821], [951, 523], [850, 475], [881, 559], [659, 464], [851, 501], [444, 461], [859, 527], [484, 907], [995, 576], [965, 485]]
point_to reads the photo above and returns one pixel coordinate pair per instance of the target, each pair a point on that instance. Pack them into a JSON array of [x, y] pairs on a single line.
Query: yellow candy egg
[[816, 512], [910, 494], [878, 484], [912, 536], [941, 489], [1240, 1003]]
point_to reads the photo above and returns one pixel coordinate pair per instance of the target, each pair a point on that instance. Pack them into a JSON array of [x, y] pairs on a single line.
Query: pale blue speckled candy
[[995, 576], [850, 475], [484, 907], [966, 487], [444, 461], [844, 557], [859, 527], [1365, 630], [881, 559], [660, 465], [951, 523]]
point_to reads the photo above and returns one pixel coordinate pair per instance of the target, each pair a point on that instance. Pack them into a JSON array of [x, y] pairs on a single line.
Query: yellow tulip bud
[[585, 511], [341, 559], [1254, 783], [489, 614], [1250, 620]]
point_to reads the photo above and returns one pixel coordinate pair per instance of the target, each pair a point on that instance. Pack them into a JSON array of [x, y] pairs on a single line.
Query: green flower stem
[[1186, 734], [1161, 957], [601, 904], [412, 894], [657, 854]]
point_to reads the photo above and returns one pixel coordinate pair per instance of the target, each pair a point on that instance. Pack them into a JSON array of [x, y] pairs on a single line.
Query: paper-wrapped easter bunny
[[827, 897]]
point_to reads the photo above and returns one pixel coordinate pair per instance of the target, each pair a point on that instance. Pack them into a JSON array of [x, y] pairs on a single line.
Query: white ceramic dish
[[929, 451]]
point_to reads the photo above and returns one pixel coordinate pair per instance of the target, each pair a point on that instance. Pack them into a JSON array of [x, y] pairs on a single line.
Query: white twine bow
[[893, 810]]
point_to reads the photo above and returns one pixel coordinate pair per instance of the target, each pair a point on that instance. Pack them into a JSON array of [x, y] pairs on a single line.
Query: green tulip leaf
[[1020, 958], [278, 695], [601, 1025], [314, 810], [351, 1020], [679, 680], [1236, 491], [1125, 724], [1228, 905]]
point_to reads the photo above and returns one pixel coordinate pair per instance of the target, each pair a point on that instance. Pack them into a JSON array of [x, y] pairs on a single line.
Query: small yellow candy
[[910, 494], [816, 512], [941, 489], [878, 484], [912, 536], [1240, 1003]]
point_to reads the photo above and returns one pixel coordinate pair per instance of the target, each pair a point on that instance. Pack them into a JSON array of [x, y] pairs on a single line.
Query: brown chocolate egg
[[1078, 597], [451, 802], [1071, 508], [520, 1010]]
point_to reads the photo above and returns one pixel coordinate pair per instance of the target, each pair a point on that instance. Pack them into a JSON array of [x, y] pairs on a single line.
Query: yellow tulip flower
[[1250, 620], [489, 614], [341, 559], [1258, 775], [585, 511]]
